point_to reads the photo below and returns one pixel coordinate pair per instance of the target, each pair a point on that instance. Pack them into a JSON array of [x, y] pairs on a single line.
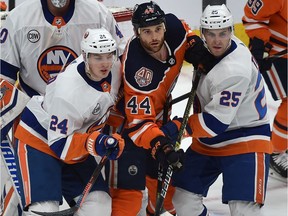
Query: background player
[[227, 138], [41, 43], [65, 126], [265, 23]]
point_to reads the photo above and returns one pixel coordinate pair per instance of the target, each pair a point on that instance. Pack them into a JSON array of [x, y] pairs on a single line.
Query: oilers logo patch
[[143, 77], [133, 170], [54, 60]]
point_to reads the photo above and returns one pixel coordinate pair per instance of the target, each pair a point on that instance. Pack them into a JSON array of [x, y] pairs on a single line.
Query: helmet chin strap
[[59, 3]]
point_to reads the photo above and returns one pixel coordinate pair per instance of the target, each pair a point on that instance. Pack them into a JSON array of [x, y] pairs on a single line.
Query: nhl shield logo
[[143, 76]]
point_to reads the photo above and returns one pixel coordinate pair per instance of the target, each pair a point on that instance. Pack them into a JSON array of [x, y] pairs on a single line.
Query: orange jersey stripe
[[22, 154], [264, 19], [234, 148], [8, 198], [260, 178], [196, 126], [33, 141]]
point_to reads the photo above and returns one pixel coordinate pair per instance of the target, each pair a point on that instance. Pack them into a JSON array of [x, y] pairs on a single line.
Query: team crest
[[96, 110], [143, 77], [133, 170], [54, 60]]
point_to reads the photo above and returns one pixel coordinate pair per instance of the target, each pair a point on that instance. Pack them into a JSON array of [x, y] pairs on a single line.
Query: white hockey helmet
[[216, 17], [98, 41]]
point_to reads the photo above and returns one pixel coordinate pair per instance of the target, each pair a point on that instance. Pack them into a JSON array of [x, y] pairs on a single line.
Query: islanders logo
[[54, 60]]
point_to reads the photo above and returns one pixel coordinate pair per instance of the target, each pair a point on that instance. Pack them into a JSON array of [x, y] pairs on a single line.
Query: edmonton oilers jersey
[[149, 82]]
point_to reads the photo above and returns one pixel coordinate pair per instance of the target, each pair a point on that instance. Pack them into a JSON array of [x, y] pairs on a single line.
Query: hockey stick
[[166, 182], [81, 199], [161, 171], [277, 55], [91, 182]]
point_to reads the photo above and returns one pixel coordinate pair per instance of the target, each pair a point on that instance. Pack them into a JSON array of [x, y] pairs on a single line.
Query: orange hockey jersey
[[267, 20], [149, 82]]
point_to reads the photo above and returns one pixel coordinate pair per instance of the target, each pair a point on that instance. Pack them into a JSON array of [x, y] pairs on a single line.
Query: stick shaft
[[167, 179]]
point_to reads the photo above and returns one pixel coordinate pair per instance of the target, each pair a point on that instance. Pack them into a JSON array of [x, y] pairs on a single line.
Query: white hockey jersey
[[39, 45], [231, 117], [73, 106]]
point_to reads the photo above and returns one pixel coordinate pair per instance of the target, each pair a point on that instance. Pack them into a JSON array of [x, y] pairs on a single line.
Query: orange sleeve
[[257, 17]]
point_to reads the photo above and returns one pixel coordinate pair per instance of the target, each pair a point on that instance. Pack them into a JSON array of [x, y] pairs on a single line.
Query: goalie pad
[[12, 102]]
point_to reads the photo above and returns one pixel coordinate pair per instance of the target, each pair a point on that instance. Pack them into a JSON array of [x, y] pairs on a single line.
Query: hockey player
[[41, 37], [59, 135], [230, 126], [151, 65], [44, 41], [265, 23]]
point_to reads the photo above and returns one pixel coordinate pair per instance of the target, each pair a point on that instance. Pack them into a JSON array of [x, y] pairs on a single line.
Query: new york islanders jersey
[[149, 82], [74, 106], [230, 110], [267, 20], [40, 45]]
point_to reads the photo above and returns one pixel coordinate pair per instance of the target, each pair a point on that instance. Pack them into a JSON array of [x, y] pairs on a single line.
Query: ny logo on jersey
[[143, 76], [54, 60]]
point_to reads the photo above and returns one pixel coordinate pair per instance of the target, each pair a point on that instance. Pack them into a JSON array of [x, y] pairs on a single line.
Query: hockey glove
[[171, 129], [163, 151], [98, 144], [197, 54], [258, 48]]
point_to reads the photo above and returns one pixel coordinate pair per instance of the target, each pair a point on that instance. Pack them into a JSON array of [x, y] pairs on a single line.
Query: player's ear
[[84, 55], [136, 31]]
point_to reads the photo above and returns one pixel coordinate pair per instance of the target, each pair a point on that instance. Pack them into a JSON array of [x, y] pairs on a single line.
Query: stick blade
[[66, 212]]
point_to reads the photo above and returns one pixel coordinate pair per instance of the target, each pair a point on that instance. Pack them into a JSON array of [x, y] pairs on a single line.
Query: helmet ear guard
[[147, 14]]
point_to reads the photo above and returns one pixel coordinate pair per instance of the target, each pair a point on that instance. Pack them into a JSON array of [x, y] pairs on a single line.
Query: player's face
[[218, 40], [152, 37], [59, 3], [100, 65], [58, 7]]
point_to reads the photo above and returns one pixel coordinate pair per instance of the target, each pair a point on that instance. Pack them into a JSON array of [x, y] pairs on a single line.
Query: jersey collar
[[50, 17]]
